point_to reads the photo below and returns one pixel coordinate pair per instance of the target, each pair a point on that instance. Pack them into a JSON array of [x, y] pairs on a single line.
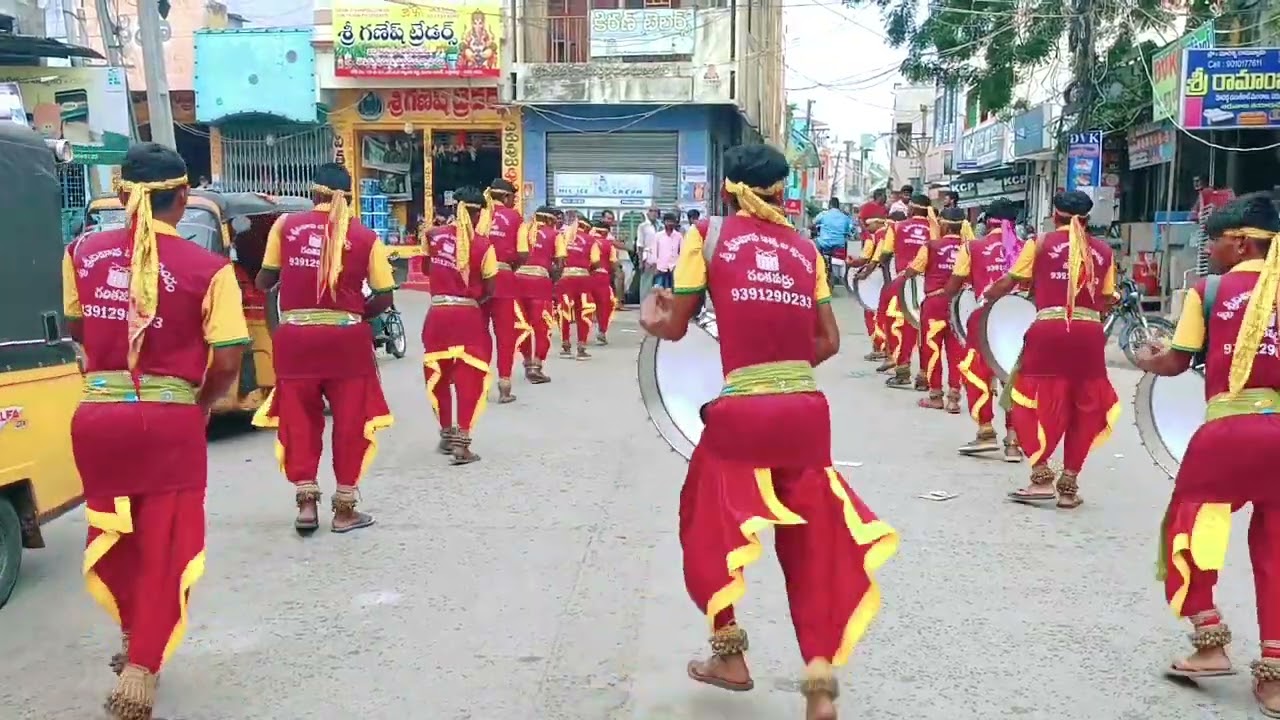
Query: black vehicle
[[1137, 328]]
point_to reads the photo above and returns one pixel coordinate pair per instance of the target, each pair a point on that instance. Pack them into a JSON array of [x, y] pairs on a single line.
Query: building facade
[[911, 134]]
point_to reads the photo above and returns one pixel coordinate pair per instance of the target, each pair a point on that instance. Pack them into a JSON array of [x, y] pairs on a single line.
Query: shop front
[[409, 149], [977, 190]]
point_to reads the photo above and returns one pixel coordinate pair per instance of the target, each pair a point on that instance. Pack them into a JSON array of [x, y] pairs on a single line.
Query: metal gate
[[279, 160], [655, 153]]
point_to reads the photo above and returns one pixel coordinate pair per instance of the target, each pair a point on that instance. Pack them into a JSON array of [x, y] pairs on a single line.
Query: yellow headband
[[545, 217], [966, 231], [486, 213], [935, 227], [144, 259], [1257, 314], [462, 241], [335, 239], [753, 200]]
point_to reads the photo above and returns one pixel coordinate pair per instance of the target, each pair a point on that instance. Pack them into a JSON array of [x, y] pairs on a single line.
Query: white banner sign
[[620, 33], [602, 190]]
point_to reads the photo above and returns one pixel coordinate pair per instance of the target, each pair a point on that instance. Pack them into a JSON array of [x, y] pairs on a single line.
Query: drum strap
[[1210, 297]]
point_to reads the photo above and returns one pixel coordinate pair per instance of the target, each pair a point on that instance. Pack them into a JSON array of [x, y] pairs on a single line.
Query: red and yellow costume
[[1231, 459], [500, 225], [323, 349], [981, 263], [455, 334], [884, 323], [764, 459], [870, 242], [152, 306], [936, 262], [602, 277], [903, 241], [537, 240], [574, 290], [1061, 392]]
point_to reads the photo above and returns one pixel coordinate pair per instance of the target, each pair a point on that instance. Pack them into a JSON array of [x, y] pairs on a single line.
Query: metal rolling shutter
[[657, 153]]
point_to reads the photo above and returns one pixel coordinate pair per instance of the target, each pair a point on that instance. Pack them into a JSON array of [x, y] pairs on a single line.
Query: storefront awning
[[32, 46]]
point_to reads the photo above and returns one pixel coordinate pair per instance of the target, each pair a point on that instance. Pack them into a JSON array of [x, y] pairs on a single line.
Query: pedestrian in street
[[935, 262], [665, 251], [764, 458], [645, 235], [321, 259], [462, 268], [1061, 392], [1231, 459], [500, 223], [579, 255], [692, 216], [163, 330], [537, 242], [602, 279], [979, 264]]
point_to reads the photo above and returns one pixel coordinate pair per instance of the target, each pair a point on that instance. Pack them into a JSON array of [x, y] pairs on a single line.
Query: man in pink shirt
[[664, 251]]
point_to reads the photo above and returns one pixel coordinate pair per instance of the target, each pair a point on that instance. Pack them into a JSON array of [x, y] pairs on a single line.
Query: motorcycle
[[388, 333], [1136, 327]]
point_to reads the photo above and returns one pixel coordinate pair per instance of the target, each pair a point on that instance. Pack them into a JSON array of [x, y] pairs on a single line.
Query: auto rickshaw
[[40, 372], [235, 225]]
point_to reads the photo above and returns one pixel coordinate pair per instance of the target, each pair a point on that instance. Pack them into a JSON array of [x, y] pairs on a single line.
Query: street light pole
[[153, 67]]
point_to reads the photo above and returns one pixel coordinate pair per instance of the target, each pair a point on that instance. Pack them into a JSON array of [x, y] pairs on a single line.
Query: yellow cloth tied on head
[[1257, 314], [463, 232], [144, 259], [335, 240], [544, 218], [486, 213], [754, 202], [1079, 264], [966, 231], [935, 227]]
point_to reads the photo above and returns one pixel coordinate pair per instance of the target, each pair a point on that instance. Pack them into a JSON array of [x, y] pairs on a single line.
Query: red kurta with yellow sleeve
[[537, 240], [935, 262]]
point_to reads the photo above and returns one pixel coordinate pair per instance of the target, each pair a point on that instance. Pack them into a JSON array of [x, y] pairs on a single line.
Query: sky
[[838, 58]]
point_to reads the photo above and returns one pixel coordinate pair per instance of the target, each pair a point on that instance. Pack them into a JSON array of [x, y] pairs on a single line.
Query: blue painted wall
[[255, 72], [693, 122]]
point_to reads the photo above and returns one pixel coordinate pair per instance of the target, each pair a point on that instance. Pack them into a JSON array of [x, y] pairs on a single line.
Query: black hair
[[545, 210], [955, 196], [919, 204], [897, 215], [1255, 210], [502, 185], [834, 202], [952, 215], [599, 224], [756, 165], [1072, 202], [693, 214], [879, 194], [908, 190], [1001, 209], [333, 176], [153, 162], [470, 195], [558, 213], [670, 217]]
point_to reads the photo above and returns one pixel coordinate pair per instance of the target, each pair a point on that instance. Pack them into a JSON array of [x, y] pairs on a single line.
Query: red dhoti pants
[[510, 329], [902, 335], [537, 343], [456, 364], [979, 382], [602, 296], [577, 307], [935, 317], [296, 409], [873, 330]]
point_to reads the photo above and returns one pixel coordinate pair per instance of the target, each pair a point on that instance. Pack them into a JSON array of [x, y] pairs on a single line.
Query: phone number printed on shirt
[[106, 312], [771, 295]]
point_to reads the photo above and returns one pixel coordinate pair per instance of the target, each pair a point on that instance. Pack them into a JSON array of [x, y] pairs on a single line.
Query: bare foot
[[1208, 662], [727, 672], [1267, 693], [348, 520]]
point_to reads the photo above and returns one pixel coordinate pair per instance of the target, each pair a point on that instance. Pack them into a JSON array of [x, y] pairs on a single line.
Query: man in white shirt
[[645, 234]]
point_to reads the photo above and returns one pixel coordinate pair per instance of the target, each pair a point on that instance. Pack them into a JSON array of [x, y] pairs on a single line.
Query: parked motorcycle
[[1136, 327], [388, 333]]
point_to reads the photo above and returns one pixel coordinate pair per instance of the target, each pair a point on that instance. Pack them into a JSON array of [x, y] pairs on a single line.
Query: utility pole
[[1081, 37], [808, 120], [158, 106], [110, 34], [72, 22], [849, 187]]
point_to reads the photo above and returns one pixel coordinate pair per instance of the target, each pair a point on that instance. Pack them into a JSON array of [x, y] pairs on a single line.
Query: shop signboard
[[974, 193], [982, 147], [446, 39], [1231, 89], [603, 190], [1030, 134], [1151, 144], [86, 106], [1166, 71], [649, 31], [426, 105], [1084, 160]]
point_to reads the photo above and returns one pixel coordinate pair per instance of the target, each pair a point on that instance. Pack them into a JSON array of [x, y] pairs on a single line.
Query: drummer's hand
[[1146, 356], [655, 311]]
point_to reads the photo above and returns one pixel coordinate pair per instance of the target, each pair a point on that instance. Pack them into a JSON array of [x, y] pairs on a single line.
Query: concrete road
[[545, 581]]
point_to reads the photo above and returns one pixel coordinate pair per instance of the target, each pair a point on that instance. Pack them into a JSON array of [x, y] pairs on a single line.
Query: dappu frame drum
[[867, 290], [1167, 412], [1002, 324], [678, 378], [910, 298], [964, 304]]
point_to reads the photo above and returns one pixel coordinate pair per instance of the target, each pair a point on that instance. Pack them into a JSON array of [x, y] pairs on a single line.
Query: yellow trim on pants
[[984, 390], [1207, 545], [931, 339], [524, 331], [431, 361]]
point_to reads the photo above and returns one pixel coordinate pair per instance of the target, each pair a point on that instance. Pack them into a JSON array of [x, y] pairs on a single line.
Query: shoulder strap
[[1210, 297], [714, 224]]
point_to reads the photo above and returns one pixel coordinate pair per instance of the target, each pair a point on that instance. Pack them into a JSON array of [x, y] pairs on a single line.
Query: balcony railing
[[560, 39]]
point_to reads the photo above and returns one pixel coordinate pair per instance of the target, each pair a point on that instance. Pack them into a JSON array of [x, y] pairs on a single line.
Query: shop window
[[568, 29], [902, 133]]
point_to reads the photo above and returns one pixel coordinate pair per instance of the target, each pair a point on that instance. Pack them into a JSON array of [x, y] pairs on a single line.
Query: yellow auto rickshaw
[[235, 225], [40, 374]]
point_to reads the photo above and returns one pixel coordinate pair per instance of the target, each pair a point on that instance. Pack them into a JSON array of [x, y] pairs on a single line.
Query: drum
[[867, 290], [678, 378], [1168, 411], [1001, 326], [964, 304], [910, 297]]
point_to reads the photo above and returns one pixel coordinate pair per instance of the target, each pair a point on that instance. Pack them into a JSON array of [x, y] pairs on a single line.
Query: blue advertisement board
[[1084, 160], [1230, 89]]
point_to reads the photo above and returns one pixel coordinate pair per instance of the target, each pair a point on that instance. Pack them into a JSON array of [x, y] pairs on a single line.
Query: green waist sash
[[118, 387], [1250, 401], [315, 316], [576, 272], [774, 378], [1077, 313], [533, 271], [453, 301], [504, 266]]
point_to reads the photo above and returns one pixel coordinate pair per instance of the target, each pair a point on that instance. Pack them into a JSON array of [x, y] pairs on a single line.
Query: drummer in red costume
[[980, 263], [936, 261], [602, 278], [323, 349], [873, 231], [537, 243], [462, 268], [1232, 457], [880, 263], [764, 459], [579, 255], [500, 223], [162, 327], [903, 242], [1061, 392]]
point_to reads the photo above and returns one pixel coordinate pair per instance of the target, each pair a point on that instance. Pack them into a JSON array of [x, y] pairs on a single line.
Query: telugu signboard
[[982, 147], [1151, 144], [1166, 71], [375, 39], [1231, 89], [623, 33]]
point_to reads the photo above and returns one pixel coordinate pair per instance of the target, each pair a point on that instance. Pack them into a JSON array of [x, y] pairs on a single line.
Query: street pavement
[[545, 583]]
